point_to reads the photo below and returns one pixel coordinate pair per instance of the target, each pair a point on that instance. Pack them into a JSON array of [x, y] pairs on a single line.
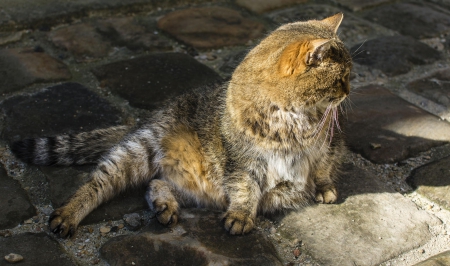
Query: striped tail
[[76, 149]]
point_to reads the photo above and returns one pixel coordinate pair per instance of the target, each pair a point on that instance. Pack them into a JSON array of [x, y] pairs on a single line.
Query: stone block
[[36, 249], [394, 55], [433, 181], [414, 19], [20, 67], [148, 81], [261, 6], [199, 239], [435, 87], [82, 41], [14, 202], [386, 129], [64, 108], [370, 224], [211, 27]]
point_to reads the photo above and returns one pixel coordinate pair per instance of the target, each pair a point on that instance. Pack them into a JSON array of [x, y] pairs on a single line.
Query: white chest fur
[[293, 168]]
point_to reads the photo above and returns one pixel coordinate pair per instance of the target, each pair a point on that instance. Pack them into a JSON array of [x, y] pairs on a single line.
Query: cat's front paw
[[62, 223], [166, 212], [238, 222], [327, 196]]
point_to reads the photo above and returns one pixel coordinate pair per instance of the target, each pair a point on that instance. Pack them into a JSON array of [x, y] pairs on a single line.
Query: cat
[[266, 141]]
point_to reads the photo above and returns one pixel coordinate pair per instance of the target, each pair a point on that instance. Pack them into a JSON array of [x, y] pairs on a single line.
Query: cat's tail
[[76, 149]]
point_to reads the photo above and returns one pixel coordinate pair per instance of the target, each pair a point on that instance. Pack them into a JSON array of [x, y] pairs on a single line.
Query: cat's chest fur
[[295, 161], [293, 168]]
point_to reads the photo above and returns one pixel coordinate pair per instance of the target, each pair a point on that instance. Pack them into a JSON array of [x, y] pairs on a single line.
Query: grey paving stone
[[20, 67], [147, 81], [411, 18], [435, 87], [126, 31], [64, 108], [369, 225], [15, 205], [64, 181], [211, 27], [261, 6], [433, 181], [357, 5], [386, 129], [440, 259], [36, 249], [394, 55], [199, 239], [353, 30], [82, 40]]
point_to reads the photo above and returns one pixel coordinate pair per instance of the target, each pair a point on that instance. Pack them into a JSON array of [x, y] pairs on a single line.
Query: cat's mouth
[[336, 100]]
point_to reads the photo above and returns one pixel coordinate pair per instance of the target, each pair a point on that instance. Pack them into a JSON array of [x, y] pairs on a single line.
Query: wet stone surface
[[394, 55], [199, 239], [433, 181], [64, 108], [386, 129], [147, 81]]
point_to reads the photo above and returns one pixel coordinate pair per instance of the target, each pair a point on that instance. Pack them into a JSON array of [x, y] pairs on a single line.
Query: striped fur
[[267, 141], [77, 149]]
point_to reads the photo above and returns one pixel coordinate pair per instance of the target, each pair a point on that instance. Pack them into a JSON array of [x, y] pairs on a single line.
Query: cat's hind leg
[[129, 163]]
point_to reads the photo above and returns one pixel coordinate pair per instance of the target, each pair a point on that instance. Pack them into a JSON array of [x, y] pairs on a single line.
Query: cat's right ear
[[297, 56]]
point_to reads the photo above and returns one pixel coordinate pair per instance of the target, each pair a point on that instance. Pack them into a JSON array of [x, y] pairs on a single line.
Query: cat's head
[[298, 65]]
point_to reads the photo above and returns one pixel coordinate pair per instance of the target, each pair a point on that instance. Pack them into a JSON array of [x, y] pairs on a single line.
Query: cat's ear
[[317, 50], [333, 22], [297, 56]]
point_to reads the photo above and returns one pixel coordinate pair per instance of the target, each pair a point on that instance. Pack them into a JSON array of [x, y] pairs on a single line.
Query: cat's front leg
[[326, 194], [163, 202], [286, 195], [243, 195]]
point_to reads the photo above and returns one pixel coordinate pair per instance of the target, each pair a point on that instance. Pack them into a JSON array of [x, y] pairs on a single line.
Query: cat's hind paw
[[238, 222], [327, 196], [61, 223]]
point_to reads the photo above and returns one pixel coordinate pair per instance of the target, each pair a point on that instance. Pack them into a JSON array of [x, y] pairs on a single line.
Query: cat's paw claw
[[326, 196], [166, 213], [61, 223], [238, 223]]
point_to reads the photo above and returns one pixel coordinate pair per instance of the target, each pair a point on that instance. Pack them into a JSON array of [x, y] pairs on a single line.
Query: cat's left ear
[[333, 22], [298, 56]]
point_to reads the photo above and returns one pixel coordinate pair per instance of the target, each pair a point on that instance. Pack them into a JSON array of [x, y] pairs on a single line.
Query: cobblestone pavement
[[71, 66]]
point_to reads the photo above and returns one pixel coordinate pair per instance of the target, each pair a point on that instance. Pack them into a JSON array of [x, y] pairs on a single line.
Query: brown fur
[[267, 141]]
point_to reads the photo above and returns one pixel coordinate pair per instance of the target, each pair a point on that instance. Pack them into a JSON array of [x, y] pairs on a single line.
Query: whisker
[[358, 48]]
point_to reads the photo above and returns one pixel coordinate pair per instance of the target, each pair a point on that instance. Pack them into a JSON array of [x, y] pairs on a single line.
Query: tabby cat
[[266, 141]]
